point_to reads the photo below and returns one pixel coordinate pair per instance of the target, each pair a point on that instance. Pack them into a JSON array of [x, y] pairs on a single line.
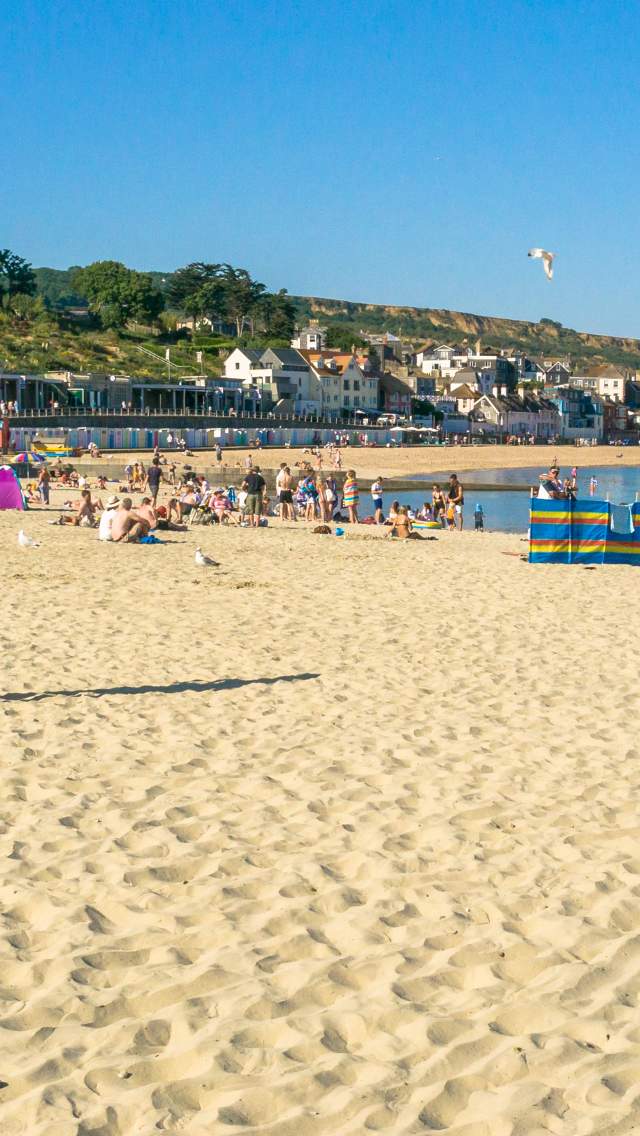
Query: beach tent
[[11, 495], [583, 532]]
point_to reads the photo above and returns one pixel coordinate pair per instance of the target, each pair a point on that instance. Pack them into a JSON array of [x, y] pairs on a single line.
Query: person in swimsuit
[[438, 504], [401, 526], [285, 493]]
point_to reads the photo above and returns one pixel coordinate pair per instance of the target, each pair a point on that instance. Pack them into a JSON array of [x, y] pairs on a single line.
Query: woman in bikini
[[401, 527]]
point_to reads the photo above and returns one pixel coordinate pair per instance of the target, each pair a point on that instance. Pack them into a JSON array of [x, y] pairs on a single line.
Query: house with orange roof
[[346, 381]]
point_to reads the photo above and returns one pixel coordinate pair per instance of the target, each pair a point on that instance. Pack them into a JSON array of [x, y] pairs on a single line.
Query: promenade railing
[[267, 420]]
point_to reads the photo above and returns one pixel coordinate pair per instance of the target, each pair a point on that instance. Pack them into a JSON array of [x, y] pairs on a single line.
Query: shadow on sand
[[162, 688]]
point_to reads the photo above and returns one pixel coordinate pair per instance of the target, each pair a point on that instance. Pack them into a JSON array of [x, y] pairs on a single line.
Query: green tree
[[242, 297], [27, 308], [118, 294], [342, 337], [198, 291], [54, 285], [276, 315], [16, 275]]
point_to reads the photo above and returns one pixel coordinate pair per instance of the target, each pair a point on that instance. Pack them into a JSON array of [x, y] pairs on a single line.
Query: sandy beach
[[341, 836], [401, 461]]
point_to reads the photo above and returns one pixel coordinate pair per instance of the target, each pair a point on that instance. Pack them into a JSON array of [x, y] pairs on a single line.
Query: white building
[[607, 381], [282, 373], [239, 364], [441, 361], [500, 414], [345, 381]]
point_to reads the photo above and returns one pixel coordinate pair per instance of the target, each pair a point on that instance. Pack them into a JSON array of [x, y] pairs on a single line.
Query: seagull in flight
[[203, 561], [26, 541], [547, 260]]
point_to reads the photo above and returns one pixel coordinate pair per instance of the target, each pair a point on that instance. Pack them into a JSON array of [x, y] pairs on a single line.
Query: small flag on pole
[[167, 353], [199, 356]]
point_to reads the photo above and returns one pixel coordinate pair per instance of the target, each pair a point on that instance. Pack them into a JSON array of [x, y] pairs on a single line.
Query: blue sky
[[394, 152]]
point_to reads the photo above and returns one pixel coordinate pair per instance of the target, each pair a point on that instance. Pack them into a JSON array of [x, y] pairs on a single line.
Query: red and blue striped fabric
[[580, 532]]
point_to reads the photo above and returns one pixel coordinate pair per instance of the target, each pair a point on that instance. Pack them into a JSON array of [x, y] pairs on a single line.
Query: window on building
[[356, 400], [356, 384], [346, 400], [346, 384], [237, 366]]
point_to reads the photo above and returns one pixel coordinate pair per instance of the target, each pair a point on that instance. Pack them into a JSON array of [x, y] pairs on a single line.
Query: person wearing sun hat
[[106, 520]]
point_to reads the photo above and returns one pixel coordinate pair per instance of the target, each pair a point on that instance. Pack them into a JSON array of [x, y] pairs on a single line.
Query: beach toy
[[339, 531]]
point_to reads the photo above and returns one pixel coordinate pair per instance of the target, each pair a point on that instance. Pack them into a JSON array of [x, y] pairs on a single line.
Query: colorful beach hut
[[11, 495], [584, 531]]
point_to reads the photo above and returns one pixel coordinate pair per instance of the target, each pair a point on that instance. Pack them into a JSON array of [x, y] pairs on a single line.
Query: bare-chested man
[[128, 525], [285, 493]]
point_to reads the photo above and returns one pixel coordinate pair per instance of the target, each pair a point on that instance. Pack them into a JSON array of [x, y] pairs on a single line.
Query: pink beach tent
[[11, 495]]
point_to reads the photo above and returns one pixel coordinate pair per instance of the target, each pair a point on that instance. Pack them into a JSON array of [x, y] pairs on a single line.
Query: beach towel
[[150, 539]]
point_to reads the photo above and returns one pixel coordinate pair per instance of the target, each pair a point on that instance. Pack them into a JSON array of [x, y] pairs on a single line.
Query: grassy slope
[[80, 349], [44, 346]]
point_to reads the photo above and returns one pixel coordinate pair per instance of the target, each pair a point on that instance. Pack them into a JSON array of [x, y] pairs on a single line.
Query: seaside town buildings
[[465, 391]]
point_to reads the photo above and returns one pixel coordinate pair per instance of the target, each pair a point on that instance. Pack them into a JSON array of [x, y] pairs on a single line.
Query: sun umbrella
[[28, 456]]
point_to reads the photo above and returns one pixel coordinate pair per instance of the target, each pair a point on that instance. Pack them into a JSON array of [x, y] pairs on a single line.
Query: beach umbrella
[[27, 456]]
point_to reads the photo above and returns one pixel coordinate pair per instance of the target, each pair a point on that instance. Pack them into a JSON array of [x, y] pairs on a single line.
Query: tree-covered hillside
[[36, 334]]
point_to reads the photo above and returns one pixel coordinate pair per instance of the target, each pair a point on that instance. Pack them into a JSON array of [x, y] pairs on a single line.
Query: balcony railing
[[268, 418]]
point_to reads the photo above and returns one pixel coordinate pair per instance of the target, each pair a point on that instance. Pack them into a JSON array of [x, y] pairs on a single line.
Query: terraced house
[[345, 381]]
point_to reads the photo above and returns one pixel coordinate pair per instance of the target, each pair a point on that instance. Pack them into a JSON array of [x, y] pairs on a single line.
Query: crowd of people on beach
[[302, 493]]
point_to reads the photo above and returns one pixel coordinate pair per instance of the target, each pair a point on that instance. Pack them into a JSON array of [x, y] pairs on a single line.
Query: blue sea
[[509, 511]]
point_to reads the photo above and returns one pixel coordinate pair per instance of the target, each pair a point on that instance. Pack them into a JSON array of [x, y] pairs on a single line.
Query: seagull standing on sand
[[546, 258], [26, 541], [203, 561]]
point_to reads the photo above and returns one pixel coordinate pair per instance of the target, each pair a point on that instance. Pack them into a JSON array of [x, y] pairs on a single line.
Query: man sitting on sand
[[127, 526], [157, 517], [148, 513]]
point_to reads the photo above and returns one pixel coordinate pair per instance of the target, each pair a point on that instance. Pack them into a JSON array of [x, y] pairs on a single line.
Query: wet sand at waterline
[[339, 837]]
